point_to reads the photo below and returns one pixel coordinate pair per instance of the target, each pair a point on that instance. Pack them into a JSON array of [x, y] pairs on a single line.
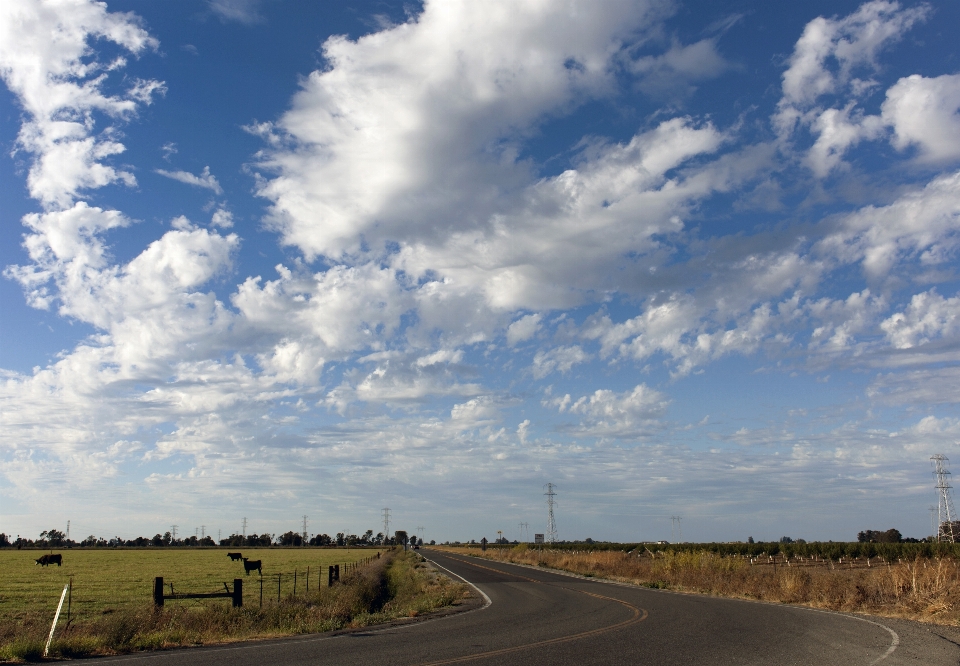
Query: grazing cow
[[50, 559], [252, 565], [235, 556]]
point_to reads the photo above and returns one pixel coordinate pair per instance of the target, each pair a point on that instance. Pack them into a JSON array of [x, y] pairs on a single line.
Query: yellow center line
[[639, 615]]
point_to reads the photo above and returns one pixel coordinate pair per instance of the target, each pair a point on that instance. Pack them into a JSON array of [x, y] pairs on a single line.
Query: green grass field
[[105, 580]]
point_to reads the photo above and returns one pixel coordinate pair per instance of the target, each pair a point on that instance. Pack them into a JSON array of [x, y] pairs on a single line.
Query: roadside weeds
[[925, 590]]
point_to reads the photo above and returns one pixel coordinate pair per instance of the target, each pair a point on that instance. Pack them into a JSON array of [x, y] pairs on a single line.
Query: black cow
[[235, 556], [252, 565], [50, 559]]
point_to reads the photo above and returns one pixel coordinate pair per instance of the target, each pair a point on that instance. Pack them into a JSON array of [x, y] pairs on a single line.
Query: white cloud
[[929, 316], [560, 359], [45, 61], [242, 11], [675, 70], [825, 62], [523, 329], [853, 43], [926, 112], [921, 224], [608, 413], [205, 180], [222, 218]]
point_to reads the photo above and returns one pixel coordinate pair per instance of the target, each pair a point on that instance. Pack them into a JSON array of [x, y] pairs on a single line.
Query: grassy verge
[[922, 589], [397, 585]]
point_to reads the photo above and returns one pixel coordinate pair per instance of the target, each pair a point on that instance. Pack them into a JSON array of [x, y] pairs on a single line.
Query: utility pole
[[243, 530], [551, 522], [946, 514], [386, 522], [304, 542]]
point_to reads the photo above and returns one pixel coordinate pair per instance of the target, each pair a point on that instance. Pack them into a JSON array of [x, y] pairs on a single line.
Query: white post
[[55, 618]]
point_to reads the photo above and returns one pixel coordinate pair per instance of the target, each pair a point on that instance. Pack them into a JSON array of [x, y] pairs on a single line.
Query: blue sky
[[266, 259]]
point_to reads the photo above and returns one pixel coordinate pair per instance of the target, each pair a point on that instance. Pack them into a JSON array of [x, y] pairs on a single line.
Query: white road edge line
[[894, 644], [481, 592]]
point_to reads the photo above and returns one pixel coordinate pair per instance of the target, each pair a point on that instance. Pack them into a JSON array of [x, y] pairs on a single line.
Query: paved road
[[537, 617]]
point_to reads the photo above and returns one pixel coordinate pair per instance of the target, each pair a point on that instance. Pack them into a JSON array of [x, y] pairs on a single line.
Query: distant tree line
[[57, 539]]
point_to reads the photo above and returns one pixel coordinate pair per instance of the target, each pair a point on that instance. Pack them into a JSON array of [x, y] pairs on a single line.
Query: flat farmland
[[106, 580]]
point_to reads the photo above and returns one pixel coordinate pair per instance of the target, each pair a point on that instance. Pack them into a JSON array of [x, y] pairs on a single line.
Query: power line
[[551, 522], [946, 514]]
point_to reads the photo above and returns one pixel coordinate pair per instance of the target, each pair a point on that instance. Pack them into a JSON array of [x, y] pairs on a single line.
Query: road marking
[[894, 643], [639, 615]]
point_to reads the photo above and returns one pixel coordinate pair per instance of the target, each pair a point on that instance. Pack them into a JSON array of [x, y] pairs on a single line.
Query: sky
[[269, 259]]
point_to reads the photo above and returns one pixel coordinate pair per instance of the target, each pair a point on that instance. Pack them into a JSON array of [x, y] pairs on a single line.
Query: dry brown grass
[[397, 585], [923, 589]]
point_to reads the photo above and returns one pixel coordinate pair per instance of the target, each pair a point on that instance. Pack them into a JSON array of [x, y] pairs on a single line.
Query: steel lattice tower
[[386, 523], [551, 536], [946, 514]]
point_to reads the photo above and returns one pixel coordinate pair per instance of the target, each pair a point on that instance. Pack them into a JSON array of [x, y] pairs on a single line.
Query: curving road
[[531, 617]]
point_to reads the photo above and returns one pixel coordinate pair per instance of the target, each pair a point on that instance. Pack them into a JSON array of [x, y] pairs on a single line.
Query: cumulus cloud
[[205, 180], [929, 316], [560, 359], [606, 412], [827, 61], [523, 329], [45, 60], [926, 112]]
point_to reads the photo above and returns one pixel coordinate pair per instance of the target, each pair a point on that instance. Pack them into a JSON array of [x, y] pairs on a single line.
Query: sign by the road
[[538, 538]]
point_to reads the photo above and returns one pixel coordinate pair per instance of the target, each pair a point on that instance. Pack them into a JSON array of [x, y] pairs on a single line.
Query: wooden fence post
[[158, 591], [237, 592]]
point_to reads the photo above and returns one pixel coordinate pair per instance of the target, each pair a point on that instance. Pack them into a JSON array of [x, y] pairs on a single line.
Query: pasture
[[108, 580]]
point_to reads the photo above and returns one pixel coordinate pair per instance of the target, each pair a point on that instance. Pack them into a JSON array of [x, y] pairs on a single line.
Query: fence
[[108, 580]]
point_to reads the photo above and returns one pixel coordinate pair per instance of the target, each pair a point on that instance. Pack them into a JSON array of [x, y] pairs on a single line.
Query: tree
[[750, 540], [401, 538], [290, 538], [413, 540], [55, 537], [876, 536]]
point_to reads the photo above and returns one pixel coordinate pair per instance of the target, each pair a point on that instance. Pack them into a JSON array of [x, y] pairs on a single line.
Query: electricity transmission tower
[[68, 530], [420, 532], [551, 536], [173, 529], [243, 530], [386, 523], [946, 514], [675, 530], [524, 528], [304, 542]]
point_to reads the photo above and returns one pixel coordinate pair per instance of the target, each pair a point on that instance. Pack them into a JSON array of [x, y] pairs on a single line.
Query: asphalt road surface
[[531, 617]]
